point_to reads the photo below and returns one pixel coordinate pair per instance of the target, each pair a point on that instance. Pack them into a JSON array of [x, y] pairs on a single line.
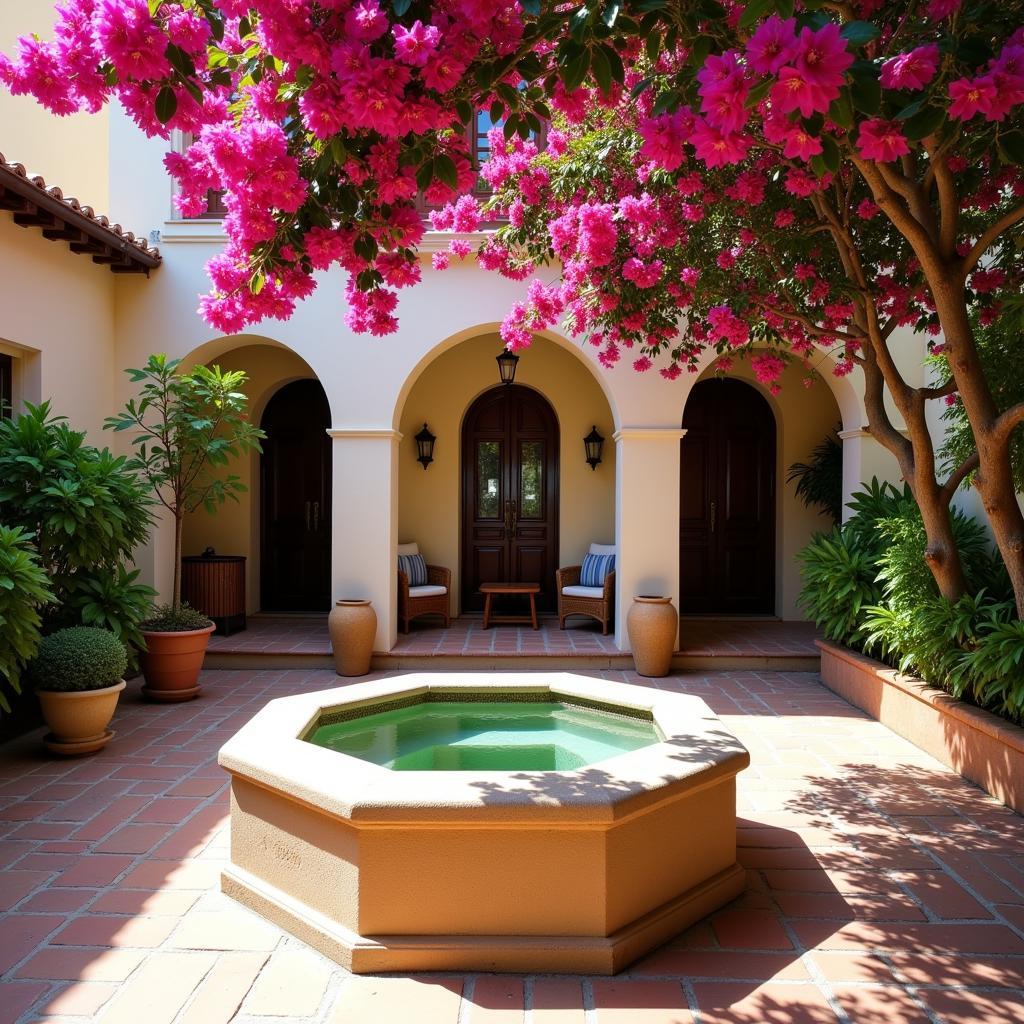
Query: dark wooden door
[[727, 500], [295, 571], [509, 494]]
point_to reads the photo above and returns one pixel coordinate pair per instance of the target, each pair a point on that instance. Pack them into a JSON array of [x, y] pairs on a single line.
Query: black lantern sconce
[[592, 444], [507, 363], [425, 446]]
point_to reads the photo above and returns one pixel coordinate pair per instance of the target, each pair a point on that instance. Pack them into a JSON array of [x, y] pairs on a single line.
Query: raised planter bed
[[980, 746]]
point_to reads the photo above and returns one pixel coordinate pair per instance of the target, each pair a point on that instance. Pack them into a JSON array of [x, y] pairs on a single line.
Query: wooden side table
[[529, 589]]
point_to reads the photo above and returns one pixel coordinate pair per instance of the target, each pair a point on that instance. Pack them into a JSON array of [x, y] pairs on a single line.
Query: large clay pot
[[652, 624], [78, 719], [172, 662], [352, 625]]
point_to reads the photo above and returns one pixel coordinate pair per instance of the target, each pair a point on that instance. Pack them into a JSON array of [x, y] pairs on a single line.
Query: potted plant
[[187, 427], [77, 673]]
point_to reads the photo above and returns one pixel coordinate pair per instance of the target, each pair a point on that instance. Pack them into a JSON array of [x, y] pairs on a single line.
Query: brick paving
[[307, 635], [882, 889]]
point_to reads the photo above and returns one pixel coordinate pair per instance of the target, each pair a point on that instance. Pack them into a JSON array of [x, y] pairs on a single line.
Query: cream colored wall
[[429, 501], [70, 152], [235, 527], [803, 417], [56, 319]]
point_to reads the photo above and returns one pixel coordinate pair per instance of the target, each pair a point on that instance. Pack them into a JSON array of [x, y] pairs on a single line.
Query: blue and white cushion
[[595, 569], [415, 567]]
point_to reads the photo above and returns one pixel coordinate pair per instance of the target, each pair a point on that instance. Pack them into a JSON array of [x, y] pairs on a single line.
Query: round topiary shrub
[[79, 658]]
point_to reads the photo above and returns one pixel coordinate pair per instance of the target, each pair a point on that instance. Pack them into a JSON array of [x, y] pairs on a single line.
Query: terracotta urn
[[78, 719], [352, 625], [171, 664], [652, 624]]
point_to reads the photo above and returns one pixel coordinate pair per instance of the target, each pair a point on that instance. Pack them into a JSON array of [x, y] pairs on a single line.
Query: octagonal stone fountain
[[497, 823]]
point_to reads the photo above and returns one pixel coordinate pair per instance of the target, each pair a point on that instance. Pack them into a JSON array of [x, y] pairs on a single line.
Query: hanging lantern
[[425, 446], [592, 444], [507, 362]]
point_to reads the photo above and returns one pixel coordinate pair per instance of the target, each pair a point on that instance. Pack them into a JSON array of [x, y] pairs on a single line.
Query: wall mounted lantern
[[425, 446], [592, 444], [507, 363]]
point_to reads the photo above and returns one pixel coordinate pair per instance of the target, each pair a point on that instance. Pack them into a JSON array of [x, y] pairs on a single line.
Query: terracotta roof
[[33, 204]]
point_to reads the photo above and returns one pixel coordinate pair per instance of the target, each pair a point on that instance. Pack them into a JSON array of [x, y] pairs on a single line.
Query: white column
[[646, 518], [863, 458], [365, 523]]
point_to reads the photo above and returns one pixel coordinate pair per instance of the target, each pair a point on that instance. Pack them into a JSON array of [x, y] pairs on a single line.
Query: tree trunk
[[994, 479], [179, 524]]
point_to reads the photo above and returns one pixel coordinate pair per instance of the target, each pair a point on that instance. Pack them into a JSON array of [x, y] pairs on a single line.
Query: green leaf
[[1011, 147], [445, 170], [865, 90], [531, 7], [400, 6], [830, 153], [700, 50], [425, 175], [910, 110], [754, 11], [575, 71], [601, 70], [166, 104], [923, 124], [840, 110], [857, 33], [611, 12]]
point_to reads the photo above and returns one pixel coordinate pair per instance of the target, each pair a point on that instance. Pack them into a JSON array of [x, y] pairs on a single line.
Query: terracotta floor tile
[[21, 933], [942, 895], [750, 929], [159, 989], [99, 930], [852, 967], [292, 984], [16, 885], [94, 870], [221, 992], [496, 1000], [133, 839], [16, 997], [234, 928], [961, 971], [771, 1003], [79, 999], [874, 1003], [424, 1000], [59, 964], [173, 902], [557, 1001], [969, 1007], [721, 964], [57, 901], [640, 1002]]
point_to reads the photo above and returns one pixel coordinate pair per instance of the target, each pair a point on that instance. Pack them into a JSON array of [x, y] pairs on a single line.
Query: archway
[[510, 448], [295, 492], [727, 500]]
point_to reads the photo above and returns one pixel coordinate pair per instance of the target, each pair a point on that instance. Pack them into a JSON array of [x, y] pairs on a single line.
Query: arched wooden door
[[727, 500], [295, 481], [509, 494]]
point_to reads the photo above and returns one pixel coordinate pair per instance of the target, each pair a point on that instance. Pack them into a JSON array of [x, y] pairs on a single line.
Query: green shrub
[[78, 658], [994, 669], [839, 582], [166, 618], [24, 588], [87, 512], [819, 481]]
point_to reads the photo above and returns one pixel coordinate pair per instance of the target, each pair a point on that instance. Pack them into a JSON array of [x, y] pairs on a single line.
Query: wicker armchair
[[599, 606], [416, 601]]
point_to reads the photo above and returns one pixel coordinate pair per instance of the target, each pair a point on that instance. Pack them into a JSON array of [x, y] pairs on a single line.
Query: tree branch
[[970, 261], [1005, 423], [949, 206], [957, 477]]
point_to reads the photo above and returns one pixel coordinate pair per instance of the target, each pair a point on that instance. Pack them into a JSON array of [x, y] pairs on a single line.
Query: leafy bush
[[819, 481], [166, 618], [78, 658], [866, 585], [87, 511], [24, 588]]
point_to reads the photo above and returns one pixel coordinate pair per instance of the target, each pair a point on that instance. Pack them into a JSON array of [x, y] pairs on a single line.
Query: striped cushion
[[595, 569], [415, 567]]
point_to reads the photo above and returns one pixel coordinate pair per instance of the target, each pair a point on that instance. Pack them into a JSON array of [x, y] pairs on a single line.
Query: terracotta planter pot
[[172, 664], [352, 625], [78, 720], [982, 747], [652, 624]]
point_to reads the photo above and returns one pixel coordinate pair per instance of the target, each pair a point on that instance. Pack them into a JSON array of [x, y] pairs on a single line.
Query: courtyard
[[880, 885]]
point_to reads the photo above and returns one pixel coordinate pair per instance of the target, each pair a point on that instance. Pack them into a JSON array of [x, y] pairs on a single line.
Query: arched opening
[[727, 500], [295, 500], [510, 448]]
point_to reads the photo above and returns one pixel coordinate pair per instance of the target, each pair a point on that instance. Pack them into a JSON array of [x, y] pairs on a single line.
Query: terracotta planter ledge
[[978, 745]]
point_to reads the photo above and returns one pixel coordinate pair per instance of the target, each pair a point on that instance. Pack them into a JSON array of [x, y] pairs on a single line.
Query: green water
[[495, 737]]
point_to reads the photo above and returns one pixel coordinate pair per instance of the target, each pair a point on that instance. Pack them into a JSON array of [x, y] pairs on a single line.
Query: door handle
[[316, 516], [508, 518], [714, 509], [515, 519], [307, 516]]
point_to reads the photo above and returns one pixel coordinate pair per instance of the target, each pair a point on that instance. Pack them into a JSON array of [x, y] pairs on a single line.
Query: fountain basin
[[577, 870]]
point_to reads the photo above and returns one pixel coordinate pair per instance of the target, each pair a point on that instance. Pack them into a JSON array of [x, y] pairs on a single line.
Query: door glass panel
[[488, 479], [531, 479]]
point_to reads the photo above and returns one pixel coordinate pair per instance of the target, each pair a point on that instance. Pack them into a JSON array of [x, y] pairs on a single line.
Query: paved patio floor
[[882, 888]]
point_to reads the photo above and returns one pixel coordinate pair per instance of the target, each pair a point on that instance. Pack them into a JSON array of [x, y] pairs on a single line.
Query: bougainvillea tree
[[793, 174]]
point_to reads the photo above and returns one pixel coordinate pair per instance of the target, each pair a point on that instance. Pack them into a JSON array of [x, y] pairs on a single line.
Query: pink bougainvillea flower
[[772, 45], [795, 91], [800, 144], [913, 70], [416, 44], [664, 137], [969, 97], [882, 140], [822, 57], [716, 148], [768, 367]]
